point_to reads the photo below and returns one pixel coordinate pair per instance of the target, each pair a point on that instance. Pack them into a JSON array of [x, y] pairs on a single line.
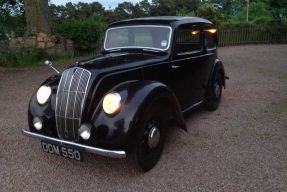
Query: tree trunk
[[36, 12]]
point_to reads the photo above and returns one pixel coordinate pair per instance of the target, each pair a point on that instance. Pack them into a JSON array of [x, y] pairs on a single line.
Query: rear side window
[[210, 39], [188, 40]]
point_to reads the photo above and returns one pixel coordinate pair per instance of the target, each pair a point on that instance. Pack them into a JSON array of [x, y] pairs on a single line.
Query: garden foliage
[[86, 33], [84, 23]]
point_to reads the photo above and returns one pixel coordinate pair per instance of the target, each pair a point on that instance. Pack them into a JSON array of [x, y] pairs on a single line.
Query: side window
[[188, 40], [210, 38]]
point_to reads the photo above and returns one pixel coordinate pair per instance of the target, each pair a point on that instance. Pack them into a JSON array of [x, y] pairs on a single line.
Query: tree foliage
[[170, 7], [210, 12], [64, 17], [12, 20], [86, 33], [215, 10], [259, 13], [70, 11]]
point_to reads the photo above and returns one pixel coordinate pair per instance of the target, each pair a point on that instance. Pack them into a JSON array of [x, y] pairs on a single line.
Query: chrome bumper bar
[[95, 150]]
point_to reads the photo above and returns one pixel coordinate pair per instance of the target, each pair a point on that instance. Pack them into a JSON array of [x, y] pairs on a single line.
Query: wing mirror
[[50, 64]]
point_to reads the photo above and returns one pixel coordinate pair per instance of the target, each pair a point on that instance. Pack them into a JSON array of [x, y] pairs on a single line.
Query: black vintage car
[[151, 72]]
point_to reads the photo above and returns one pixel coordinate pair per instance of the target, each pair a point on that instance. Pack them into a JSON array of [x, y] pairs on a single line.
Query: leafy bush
[[12, 18], [262, 19], [86, 34], [210, 12], [236, 25], [259, 13], [206, 10], [284, 21], [185, 13], [21, 57]]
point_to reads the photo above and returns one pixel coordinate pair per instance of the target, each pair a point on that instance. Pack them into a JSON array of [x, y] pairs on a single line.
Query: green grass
[[26, 57]]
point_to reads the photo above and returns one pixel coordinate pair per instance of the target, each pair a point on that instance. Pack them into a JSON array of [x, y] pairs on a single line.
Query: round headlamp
[[43, 94], [112, 103]]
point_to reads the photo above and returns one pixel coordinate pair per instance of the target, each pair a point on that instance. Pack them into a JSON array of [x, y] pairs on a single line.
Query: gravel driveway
[[240, 147]]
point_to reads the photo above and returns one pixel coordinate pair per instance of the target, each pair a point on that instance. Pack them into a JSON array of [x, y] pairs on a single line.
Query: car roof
[[161, 20]]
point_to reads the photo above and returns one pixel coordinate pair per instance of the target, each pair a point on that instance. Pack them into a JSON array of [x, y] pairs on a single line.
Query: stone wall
[[51, 44]]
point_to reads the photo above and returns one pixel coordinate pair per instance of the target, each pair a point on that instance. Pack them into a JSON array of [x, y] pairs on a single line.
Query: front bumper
[[95, 150]]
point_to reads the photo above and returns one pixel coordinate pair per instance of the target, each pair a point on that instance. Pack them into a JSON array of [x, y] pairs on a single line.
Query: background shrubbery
[[84, 23], [23, 57], [86, 33], [80, 23], [77, 21]]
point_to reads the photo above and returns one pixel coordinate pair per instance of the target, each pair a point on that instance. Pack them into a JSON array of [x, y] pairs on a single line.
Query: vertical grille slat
[[70, 98]]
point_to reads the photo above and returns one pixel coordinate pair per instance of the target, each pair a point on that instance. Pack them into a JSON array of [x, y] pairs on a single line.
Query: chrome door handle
[[175, 66]]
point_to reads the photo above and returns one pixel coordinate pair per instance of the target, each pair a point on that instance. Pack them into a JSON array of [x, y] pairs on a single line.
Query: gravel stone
[[240, 147]]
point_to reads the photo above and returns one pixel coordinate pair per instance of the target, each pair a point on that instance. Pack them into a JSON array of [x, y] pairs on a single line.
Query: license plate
[[64, 151]]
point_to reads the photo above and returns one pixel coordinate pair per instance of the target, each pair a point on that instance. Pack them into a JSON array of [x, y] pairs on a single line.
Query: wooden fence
[[90, 53], [252, 35], [232, 36]]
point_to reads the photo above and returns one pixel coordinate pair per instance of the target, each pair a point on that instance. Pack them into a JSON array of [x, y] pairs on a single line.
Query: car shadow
[[94, 165]]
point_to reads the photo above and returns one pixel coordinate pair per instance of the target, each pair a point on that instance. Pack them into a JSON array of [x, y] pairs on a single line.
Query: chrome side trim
[[194, 57], [190, 52], [193, 106], [94, 150]]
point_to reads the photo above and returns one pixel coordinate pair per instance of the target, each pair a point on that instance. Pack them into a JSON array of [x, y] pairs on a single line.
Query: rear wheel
[[151, 137], [215, 92]]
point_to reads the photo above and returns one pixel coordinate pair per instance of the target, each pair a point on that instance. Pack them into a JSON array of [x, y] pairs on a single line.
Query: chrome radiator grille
[[70, 102]]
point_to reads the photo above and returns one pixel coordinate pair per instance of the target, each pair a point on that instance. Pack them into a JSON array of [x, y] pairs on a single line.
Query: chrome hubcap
[[217, 90], [153, 137]]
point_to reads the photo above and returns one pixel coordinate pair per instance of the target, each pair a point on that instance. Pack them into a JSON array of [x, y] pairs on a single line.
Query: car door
[[188, 65]]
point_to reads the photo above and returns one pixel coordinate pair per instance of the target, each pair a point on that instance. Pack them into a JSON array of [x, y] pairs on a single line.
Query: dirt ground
[[240, 147]]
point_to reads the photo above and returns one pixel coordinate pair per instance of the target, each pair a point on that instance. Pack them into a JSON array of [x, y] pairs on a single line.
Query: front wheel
[[215, 92], [150, 137]]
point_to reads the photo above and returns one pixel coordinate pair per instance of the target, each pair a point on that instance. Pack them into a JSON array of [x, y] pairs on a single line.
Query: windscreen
[[144, 36]]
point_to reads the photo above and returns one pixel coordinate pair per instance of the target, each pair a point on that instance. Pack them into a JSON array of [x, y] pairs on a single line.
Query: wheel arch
[[217, 66], [165, 97], [153, 91], [136, 95]]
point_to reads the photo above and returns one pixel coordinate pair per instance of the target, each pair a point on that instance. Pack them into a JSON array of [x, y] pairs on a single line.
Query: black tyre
[[150, 137], [215, 92]]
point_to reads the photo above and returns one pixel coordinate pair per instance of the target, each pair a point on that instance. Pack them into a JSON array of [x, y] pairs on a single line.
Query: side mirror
[[50, 64]]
